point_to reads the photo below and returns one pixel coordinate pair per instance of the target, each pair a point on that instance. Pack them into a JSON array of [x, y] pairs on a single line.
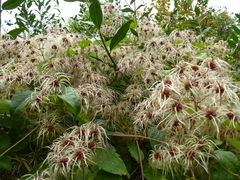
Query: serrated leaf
[[120, 35], [71, 97], [18, 101], [134, 153], [11, 4], [4, 106], [110, 161], [5, 163], [155, 134], [228, 160], [96, 13], [234, 142]]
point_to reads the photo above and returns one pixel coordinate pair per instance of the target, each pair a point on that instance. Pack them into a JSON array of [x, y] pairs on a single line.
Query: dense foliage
[[128, 99]]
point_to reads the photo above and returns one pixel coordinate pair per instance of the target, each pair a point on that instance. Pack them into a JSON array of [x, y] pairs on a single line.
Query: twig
[[139, 159], [19, 141], [108, 53], [137, 136]]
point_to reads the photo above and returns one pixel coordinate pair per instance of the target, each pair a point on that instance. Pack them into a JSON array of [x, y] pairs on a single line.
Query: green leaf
[[83, 117], [70, 52], [234, 142], [96, 13], [5, 163], [18, 101], [178, 41], [132, 1], [201, 46], [89, 174], [217, 142], [238, 16], [236, 29], [151, 174], [155, 134], [84, 43], [11, 4], [76, 0], [127, 10], [109, 161], [71, 97], [232, 43], [15, 32], [4, 140], [217, 172], [4, 106], [134, 153], [107, 176], [134, 32], [228, 160], [120, 35], [197, 10], [201, 56]]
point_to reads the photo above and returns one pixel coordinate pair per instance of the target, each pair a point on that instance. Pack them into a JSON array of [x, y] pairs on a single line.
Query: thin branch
[[108, 53], [139, 159], [137, 136], [19, 141]]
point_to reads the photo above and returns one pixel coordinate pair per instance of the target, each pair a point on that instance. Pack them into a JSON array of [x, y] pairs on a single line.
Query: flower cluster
[[112, 19], [74, 150], [193, 152]]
